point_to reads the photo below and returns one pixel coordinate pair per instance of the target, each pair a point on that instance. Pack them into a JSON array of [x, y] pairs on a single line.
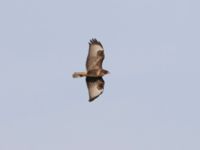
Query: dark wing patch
[[95, 55], [95, 87]]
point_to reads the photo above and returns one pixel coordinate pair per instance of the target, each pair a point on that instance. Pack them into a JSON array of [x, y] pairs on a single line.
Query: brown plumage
[[95, 72]]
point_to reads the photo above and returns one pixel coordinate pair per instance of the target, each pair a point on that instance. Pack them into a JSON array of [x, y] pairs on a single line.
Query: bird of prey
[[95, 72]]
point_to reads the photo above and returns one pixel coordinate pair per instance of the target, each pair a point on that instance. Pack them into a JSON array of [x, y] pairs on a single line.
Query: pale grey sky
[[151, 98]]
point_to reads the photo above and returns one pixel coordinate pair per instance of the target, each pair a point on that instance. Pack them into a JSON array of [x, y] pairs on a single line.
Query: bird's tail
[[79, 74]]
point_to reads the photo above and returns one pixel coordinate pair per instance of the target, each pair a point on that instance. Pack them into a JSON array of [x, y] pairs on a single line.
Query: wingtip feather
[[95, 41]]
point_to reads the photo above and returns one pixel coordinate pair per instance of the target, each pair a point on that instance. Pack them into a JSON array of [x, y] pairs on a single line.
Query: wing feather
[[95, 87], [95, 55]]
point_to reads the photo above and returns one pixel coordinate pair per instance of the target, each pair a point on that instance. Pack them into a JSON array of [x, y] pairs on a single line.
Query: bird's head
[[104, 72]]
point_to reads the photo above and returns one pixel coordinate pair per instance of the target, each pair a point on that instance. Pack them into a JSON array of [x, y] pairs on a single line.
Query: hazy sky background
[[152, 96]]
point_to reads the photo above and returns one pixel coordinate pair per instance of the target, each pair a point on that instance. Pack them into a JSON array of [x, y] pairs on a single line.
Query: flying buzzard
[[95, 72]]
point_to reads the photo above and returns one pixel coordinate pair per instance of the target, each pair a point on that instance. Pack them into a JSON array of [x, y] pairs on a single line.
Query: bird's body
[[94, 72], [91, 73]]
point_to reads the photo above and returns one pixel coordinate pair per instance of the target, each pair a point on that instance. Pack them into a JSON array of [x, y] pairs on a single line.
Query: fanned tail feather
[[79, 74]]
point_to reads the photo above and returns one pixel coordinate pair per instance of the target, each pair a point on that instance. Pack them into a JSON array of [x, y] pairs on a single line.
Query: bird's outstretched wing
[[95, 55], [95, 87]]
